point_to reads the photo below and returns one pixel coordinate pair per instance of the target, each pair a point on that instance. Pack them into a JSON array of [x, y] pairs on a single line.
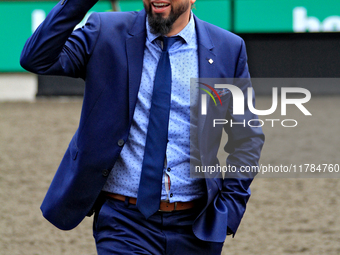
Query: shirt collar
[[187, 32]]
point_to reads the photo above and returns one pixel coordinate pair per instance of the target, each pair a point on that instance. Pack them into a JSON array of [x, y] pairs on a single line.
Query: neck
[[180, 23]]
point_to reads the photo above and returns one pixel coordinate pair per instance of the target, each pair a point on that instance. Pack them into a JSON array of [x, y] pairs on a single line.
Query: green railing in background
[[18, 19]]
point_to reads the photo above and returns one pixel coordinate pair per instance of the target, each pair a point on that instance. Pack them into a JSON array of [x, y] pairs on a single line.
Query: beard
[[163, 26]]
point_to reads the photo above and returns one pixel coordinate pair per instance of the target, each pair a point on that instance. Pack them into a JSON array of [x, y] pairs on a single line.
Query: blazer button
[[105, 173], [121, 142]]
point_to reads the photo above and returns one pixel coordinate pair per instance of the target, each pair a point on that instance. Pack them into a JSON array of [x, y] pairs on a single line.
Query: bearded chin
[[160, 25], [163, 26]]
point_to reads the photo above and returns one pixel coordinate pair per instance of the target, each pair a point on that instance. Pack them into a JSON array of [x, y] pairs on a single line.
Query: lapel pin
[[211, 61]]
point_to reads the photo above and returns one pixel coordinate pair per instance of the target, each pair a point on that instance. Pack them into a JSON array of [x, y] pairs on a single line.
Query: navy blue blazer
[[108, 54]]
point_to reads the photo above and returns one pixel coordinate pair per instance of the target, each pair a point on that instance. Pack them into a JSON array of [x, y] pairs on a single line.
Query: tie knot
[[168, 42]]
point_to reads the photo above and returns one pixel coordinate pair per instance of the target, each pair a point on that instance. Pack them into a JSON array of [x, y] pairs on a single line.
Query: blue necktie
[[150, 186]]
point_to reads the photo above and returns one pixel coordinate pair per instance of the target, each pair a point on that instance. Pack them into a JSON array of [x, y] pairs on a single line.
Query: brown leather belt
[[164, 206]]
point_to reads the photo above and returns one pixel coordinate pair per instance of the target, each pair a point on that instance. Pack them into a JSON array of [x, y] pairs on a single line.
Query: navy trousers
[[119, 228]]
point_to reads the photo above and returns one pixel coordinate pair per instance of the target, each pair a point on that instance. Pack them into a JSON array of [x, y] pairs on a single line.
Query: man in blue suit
[[123, 58]]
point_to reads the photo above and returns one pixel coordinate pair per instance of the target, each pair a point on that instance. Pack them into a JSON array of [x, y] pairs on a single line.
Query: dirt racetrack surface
[[284, 215]]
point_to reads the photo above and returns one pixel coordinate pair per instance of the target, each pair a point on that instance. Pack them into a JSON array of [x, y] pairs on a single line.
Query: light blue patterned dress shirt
[[177, 184]]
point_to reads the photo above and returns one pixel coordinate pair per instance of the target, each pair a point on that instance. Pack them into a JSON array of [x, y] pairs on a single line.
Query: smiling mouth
[[160, 5]]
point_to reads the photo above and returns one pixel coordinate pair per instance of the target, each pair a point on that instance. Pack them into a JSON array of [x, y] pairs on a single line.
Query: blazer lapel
[[206, 65], [135, 51], [207, 69]]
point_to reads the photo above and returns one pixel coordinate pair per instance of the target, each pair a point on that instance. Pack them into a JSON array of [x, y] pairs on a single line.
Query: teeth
[[160, 4]]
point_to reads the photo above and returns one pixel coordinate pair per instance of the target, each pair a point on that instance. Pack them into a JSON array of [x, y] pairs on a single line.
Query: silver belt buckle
[[169, 211]]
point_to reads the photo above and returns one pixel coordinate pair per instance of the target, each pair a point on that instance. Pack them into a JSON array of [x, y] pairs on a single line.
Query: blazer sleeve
[[54, 48], [244, 148]]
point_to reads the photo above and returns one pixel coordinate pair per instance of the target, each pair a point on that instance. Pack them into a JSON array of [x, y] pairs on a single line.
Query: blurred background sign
[[267, 16], [18, 20]]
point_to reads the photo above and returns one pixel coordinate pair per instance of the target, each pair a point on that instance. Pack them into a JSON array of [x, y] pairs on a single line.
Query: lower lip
[[159, 10]]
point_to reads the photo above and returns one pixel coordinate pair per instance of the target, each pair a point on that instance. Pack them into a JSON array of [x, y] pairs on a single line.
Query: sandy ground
[[284, 215]]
